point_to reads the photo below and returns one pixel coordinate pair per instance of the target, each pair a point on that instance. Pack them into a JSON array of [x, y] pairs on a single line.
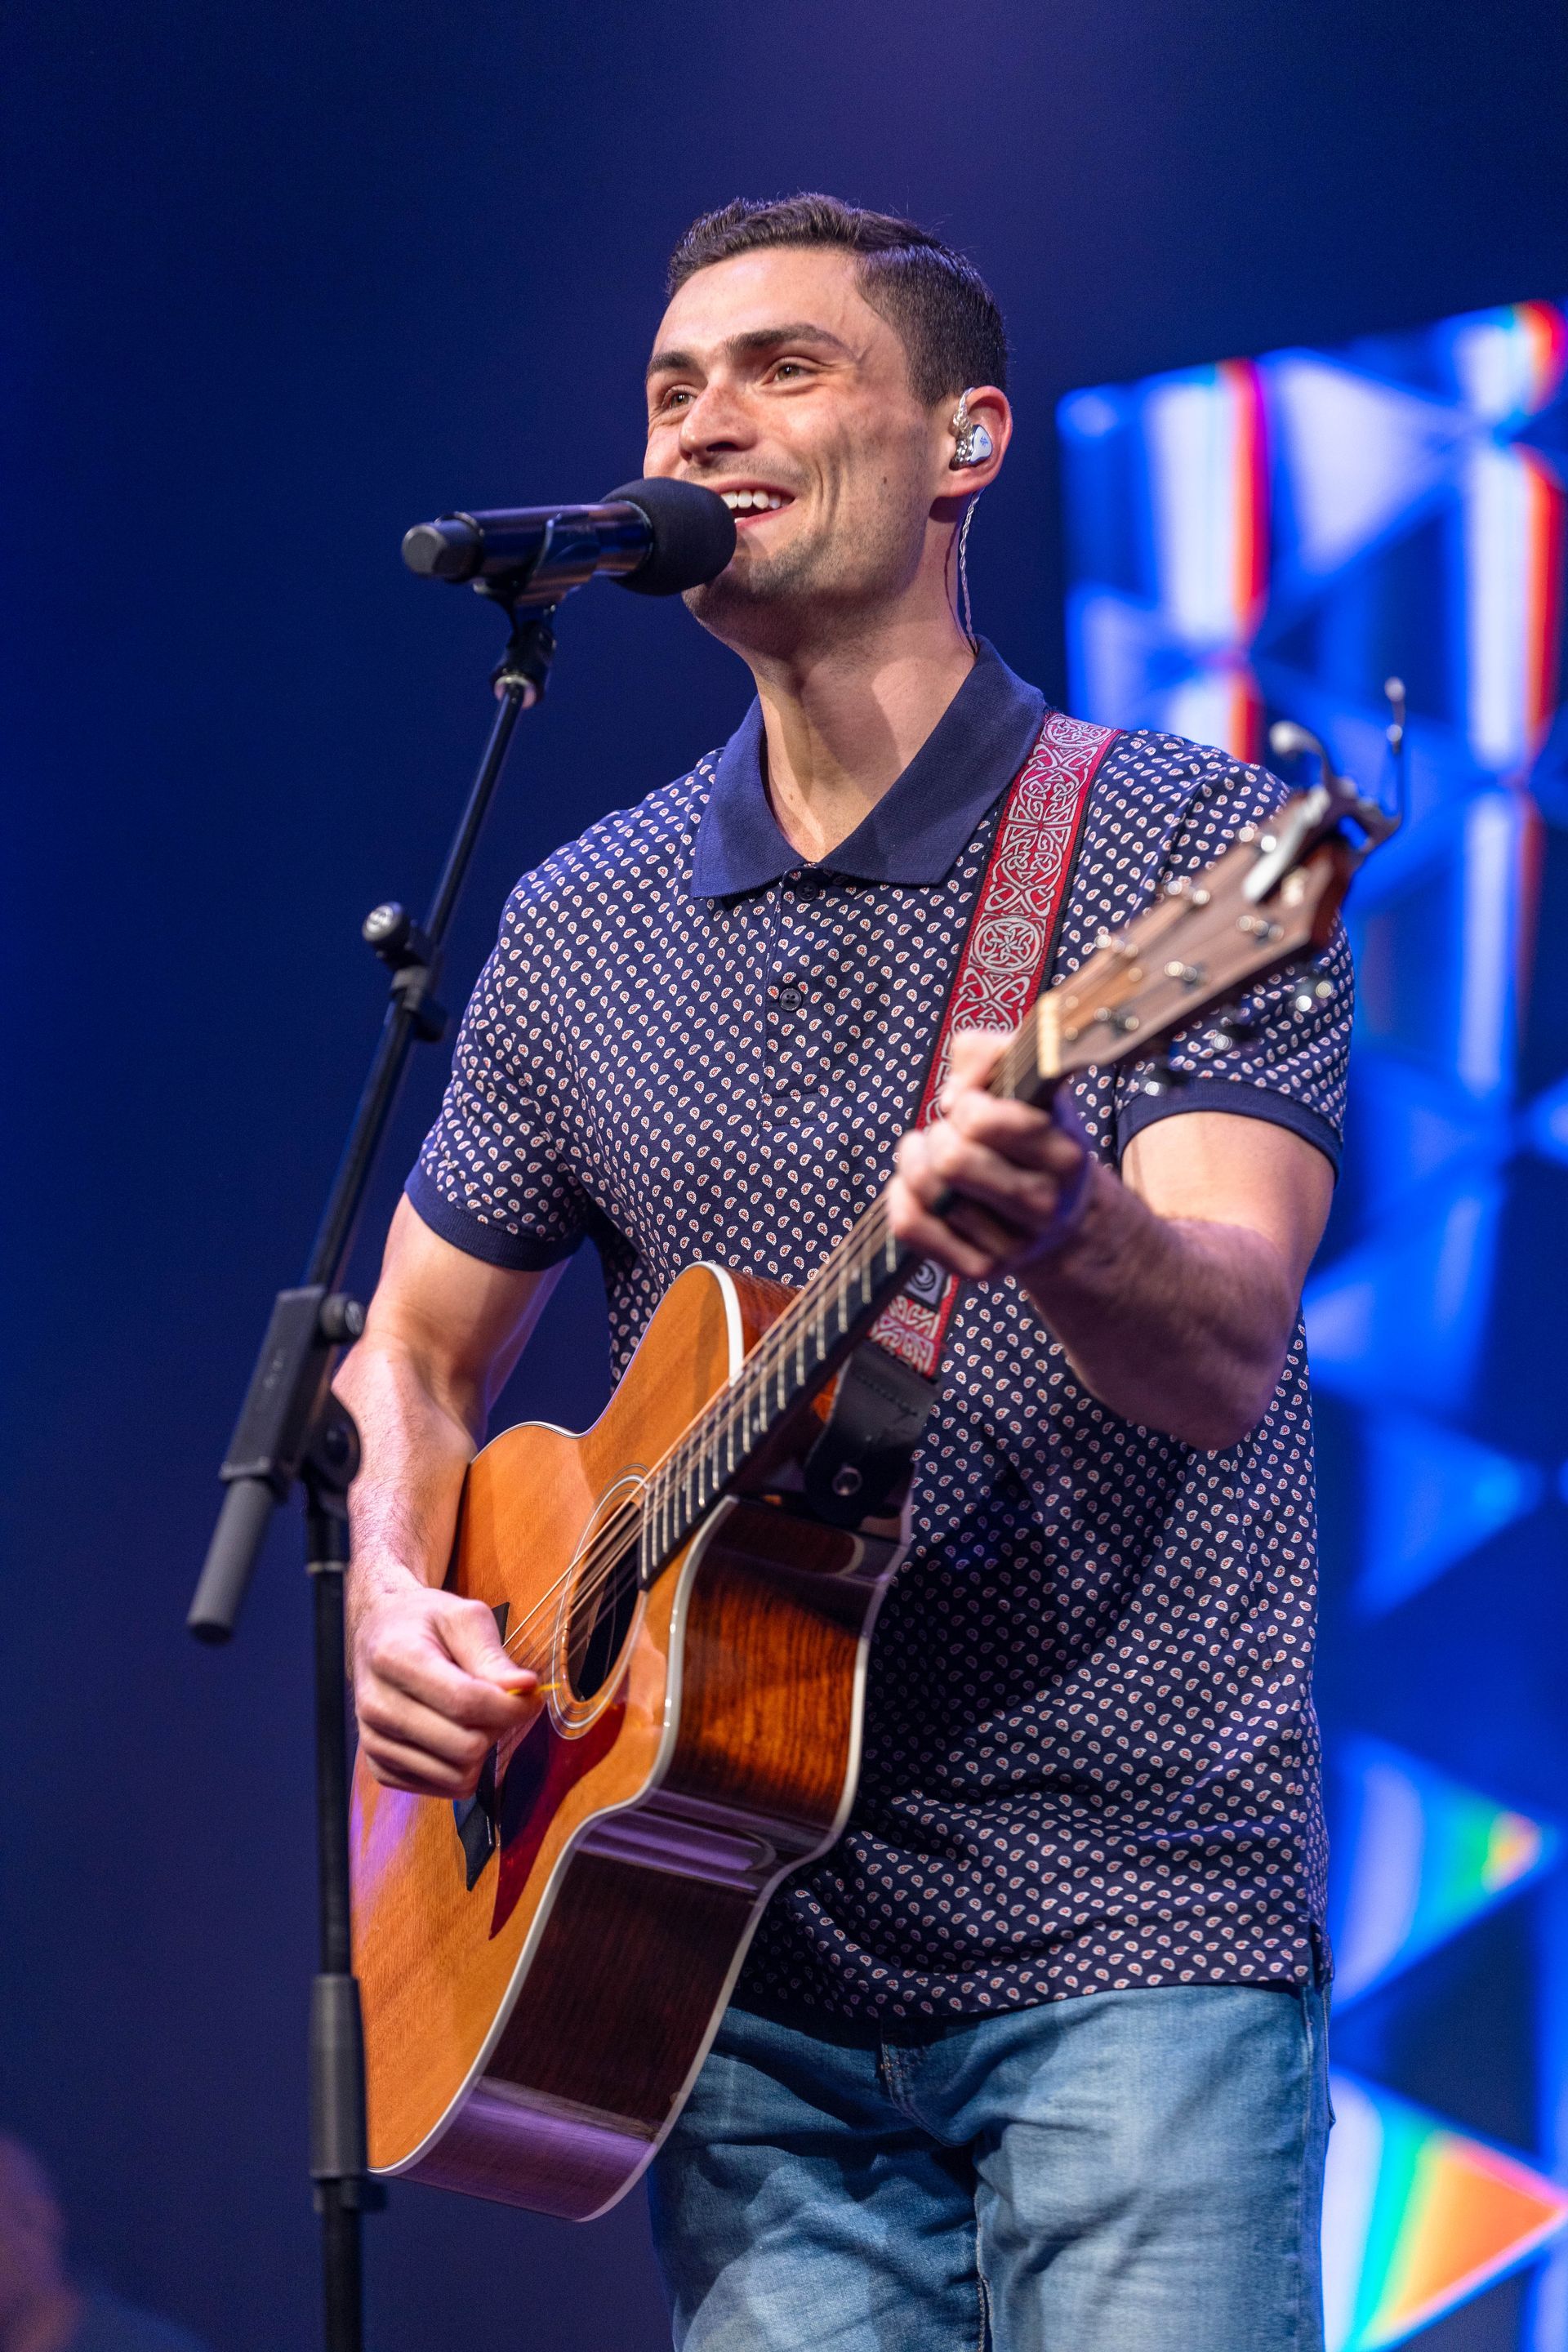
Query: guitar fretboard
[[805, 1347]]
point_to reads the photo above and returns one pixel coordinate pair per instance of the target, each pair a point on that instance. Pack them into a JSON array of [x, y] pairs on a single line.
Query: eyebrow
[[748, 345]]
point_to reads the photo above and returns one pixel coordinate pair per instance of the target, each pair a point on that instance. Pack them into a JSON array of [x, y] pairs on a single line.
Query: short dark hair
[[936, 302]]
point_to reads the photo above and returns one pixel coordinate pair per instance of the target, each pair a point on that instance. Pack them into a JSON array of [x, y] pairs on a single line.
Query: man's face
[[774, 381]]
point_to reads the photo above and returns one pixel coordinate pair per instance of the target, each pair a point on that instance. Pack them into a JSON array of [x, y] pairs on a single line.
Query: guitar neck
[[1270, 898], [806, 1347]]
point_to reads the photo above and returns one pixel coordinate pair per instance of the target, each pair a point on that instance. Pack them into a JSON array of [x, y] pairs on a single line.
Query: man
[[1037, 2049]]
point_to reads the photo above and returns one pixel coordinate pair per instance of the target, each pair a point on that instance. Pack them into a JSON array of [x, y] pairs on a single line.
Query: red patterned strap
[[1003, 966]]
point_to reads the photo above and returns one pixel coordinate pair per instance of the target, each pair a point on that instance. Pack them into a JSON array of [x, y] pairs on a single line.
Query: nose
[[715, 423]]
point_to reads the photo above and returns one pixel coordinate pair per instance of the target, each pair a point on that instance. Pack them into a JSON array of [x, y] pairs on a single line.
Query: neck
[[844, 720], [45, 2322]]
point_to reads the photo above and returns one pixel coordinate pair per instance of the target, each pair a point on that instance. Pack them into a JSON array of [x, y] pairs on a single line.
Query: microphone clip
[[523, 668]]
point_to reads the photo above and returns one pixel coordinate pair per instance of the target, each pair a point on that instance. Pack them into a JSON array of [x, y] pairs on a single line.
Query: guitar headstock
[[1272, 898]]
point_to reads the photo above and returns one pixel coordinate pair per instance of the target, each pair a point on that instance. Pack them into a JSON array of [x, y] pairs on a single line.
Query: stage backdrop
[[1272, 537]]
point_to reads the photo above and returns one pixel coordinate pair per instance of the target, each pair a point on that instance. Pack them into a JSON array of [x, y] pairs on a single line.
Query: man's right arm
[[434, 1689]]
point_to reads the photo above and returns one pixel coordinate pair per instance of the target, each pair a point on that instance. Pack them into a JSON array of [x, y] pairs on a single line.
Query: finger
[[388, 1714], [1018, 1131], [417, 1775], [468, 1629], [1000, 1240], [954, 1165], [974, 1056], [418, 1665], [916, 1227]]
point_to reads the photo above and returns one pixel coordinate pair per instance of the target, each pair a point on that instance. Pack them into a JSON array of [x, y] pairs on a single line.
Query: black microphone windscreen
[[693, 535]]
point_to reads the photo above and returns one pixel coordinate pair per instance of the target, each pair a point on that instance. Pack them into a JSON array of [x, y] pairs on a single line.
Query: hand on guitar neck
[[1018, 1179], [1174, 1287]]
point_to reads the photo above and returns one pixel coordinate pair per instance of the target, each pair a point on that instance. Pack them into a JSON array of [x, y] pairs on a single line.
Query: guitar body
[[541, 1984]]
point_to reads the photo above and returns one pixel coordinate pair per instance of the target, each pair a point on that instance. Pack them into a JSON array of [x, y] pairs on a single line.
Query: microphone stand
[[292, 1431]]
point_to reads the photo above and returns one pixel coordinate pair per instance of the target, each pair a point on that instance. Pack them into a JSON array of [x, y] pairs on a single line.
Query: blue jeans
[[1123, 2172]]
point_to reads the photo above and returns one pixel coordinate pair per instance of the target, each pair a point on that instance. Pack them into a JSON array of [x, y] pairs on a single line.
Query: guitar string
[[848, 1263], [613, 1540], [729, 1411], [855, 1257], [616, 1541], [1016, 1071]]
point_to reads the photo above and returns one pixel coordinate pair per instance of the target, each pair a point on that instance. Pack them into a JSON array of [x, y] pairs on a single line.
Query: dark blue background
[[276, 281]]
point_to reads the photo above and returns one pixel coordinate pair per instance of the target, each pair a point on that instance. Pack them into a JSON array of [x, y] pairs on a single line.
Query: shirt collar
[[919, 825]]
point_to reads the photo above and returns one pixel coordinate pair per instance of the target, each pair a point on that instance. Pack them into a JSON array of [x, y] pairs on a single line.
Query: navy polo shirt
[[1092, 1760]]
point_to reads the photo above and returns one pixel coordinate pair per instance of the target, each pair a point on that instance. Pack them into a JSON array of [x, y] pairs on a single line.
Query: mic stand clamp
[[524, 667], [293, 1431]]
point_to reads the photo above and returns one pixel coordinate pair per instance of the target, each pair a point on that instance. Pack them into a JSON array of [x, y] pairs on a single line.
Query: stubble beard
[[818, 588]]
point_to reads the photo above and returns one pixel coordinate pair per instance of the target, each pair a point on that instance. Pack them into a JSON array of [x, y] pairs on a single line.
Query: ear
[[988, 405]]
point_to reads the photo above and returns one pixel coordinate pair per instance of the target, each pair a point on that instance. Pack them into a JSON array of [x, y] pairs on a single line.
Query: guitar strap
[[881, 1405], [1003, 966]]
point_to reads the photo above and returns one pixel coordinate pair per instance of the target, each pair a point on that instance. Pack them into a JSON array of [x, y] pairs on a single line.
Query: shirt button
[[789, 996]]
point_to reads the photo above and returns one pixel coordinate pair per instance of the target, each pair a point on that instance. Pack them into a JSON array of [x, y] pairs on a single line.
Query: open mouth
[[755, 504]]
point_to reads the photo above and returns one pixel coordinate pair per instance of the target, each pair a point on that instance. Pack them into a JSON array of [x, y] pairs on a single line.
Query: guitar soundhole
[[602, 1612]]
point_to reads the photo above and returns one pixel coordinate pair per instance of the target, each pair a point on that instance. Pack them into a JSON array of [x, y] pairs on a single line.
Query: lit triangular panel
[[1510, 363], [1417, 1857], [1358, 454], [1401, 1319], [1418, 2216], [1432, 1497]]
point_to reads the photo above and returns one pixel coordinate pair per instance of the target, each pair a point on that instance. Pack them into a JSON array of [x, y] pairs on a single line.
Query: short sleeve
[[1281, 1052], [493, 1177]]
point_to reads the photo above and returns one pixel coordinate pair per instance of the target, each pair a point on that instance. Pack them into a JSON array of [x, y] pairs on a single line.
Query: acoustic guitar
[[544, 1967]]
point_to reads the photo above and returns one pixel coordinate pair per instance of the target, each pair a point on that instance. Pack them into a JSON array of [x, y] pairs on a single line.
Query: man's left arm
[[1174, 1287]]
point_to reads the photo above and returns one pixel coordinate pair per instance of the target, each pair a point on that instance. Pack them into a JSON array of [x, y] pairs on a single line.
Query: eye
[[676, 397], [790, 367]]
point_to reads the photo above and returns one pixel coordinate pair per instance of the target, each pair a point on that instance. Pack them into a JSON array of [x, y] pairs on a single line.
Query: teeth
[[744, 502]]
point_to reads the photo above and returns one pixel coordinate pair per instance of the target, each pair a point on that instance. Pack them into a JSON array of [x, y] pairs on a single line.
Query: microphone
[[657, 538]]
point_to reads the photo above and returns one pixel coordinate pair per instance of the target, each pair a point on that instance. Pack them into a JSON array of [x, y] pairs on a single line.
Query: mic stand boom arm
[[292, 1431]]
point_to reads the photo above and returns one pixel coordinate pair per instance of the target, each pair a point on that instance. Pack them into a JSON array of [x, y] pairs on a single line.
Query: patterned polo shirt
[[1091, 1760]]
